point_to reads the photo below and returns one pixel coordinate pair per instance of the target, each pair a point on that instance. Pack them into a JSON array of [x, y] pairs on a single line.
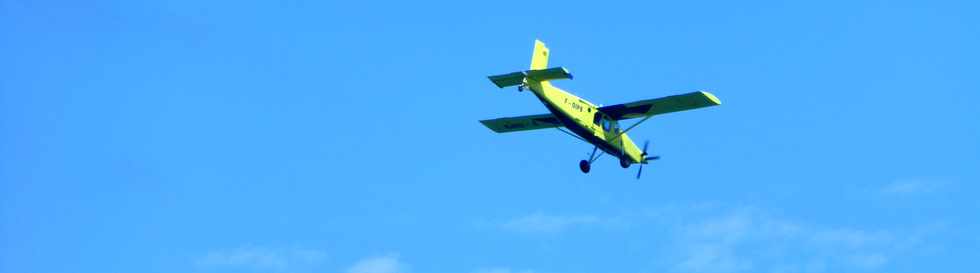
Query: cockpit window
[[604, 121]]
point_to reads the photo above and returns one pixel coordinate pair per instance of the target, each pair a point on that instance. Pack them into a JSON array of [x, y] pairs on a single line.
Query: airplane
[[596, 125]]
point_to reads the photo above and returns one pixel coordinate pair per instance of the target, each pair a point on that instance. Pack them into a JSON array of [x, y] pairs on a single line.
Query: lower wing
[[522, 123]]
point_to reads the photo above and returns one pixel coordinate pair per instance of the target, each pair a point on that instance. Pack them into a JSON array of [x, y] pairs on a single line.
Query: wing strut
[[631, 127], [571, 134]]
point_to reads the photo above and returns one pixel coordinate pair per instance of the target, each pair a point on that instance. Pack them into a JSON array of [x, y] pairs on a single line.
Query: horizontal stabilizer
[[553, 73], [509, 79], [517, 78]]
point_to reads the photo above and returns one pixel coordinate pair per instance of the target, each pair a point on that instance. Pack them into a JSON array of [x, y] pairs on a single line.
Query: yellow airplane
[[597, 125]]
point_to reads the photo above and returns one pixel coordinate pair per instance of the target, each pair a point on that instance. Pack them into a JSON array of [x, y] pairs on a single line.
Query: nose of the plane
[[634, 152]]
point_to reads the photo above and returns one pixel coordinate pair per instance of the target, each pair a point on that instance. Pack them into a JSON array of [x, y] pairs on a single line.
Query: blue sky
[[332, 136]]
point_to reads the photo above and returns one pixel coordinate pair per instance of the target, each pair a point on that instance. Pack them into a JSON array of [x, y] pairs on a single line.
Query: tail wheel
[[584, 166]]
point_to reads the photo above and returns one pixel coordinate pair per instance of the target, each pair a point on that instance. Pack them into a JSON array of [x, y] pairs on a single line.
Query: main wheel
[[624, 163], [584, 166]]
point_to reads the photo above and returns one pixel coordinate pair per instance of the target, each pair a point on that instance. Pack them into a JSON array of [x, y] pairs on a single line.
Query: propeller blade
[[652, 157], [645, 144], [638, 173]]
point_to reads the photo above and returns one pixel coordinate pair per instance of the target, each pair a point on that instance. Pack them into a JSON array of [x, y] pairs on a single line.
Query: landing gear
[[623, 162], [585, 166]]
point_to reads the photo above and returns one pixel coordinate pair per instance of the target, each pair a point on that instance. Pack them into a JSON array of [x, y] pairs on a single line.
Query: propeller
[[645, 158]]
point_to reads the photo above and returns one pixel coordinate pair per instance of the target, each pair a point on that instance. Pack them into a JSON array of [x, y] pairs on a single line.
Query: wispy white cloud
[[379, 264], [260, 258], [911, 186], [868, 261], [543, 223], [711, 258], [710, 245], [501, 270], [747, 239], [713, 238]]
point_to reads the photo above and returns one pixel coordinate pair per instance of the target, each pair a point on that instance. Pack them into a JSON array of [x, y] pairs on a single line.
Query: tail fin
[[538, 73], [539, 60]]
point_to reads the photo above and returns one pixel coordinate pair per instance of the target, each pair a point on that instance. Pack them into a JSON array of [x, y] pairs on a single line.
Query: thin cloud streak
[[734, 240], [543, 223], [259, 258], [501, 270], [381, 264], [711, 238], [910, 187]]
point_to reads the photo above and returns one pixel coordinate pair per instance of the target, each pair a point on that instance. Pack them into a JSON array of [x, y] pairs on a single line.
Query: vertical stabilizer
[[539, 60]]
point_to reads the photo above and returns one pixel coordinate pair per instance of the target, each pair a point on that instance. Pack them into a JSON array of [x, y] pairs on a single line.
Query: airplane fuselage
[[585, 120]]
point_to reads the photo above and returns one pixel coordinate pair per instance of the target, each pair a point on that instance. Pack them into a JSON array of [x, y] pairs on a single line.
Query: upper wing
[[522, 123], [658, 106]]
